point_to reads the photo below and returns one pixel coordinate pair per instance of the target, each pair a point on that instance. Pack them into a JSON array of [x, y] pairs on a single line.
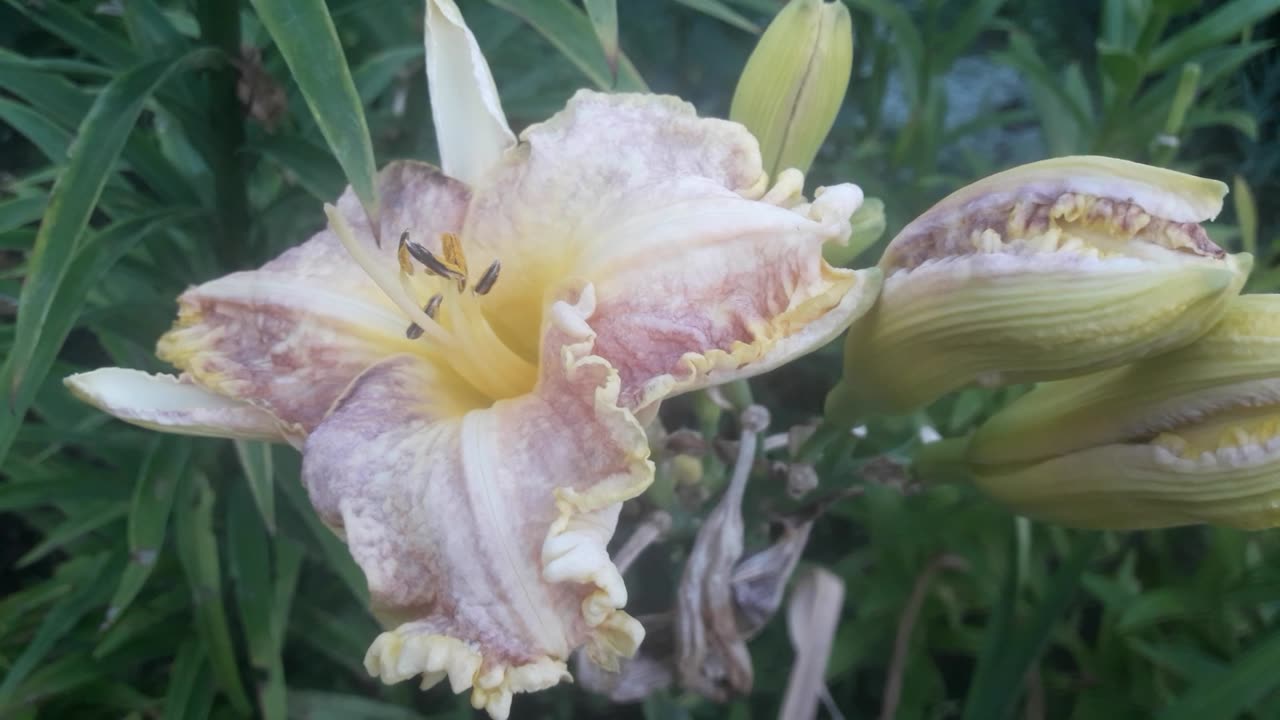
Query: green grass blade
[[722, 12], [85, 594], [198, 553], [569, 30], [48, 138], [72, 529], [94, 154], [249, 567], [88, 267], [184, 677], [994, 691], [1230, 693], [255, 459], [604, 20], [305, 35], [20, 211], [1214, 29], [317, 705], [153, 495], [312, 167], [78, 31]]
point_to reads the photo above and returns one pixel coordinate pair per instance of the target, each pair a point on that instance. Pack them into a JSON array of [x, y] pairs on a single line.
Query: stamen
[[382, 275], [488, 279], [454, 256], [433, 305], [414, 331], [402, 254], [435, 265]]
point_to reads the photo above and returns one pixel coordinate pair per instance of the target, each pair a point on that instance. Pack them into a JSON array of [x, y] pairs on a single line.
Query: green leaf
[[255, 459], [153, 494], [1246, 213], [249, 567], [317, 705], [722, 12], [78, 31], [51, 140], [1216, 28], [198, 553], [20, 211], [569, 30], [1010, 652], [306, 37], [72, 529], [962, 33], [313, 168], [97, 146], [376, 74], [184, 677], [86, 270], [86, 593], [1250, 677], [604, 20], [909, 43]]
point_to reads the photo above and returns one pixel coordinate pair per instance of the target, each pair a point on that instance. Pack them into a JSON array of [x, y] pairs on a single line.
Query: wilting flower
[[1188, 437], [469, 399], [795, 80], [1049, 270]]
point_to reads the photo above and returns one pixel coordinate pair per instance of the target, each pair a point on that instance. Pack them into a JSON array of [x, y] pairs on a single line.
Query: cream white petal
[[172, 404], [471, 129]]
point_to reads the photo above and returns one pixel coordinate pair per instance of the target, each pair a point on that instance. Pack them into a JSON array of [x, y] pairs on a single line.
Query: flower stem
[[942, 462], [220, 27]]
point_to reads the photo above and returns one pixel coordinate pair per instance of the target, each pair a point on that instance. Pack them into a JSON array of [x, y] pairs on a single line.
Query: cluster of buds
[[1160, 402]]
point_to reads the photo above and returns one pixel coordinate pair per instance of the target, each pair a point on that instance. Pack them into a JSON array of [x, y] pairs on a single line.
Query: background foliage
[[146, 145]]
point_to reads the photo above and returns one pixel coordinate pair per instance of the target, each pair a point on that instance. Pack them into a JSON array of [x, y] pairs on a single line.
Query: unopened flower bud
[[1050, 270], [1188, 437], [794, 82]]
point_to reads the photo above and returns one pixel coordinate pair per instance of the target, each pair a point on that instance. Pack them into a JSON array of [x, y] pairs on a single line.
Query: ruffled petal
[[171, 404], [483, 536], [471, 128], [701, 276], [289, 337]]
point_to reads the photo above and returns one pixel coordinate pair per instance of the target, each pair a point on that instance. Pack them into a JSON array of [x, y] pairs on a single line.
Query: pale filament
[[470, 345]]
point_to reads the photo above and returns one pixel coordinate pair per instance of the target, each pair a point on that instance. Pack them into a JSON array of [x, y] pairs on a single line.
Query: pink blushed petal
[[483, 535], [291, 336]]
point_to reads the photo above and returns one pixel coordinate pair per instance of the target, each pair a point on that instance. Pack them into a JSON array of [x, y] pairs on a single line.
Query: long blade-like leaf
[[306, 37], [570, 31], [97, 146]]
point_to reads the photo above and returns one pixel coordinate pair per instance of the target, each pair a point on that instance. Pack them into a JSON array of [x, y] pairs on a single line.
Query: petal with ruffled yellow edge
[[702, 276], [483, 535], [290, 336]]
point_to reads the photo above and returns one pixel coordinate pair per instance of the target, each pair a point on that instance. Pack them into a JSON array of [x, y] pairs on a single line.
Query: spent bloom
[[469, 394], [1188, 437], [1048, 270]]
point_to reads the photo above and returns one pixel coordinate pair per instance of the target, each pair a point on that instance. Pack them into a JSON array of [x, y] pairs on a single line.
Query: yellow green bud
[[1188, 437], [1050, 270], [792, 86]]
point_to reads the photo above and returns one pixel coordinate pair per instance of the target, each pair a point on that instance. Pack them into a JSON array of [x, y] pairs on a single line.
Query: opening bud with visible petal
[[1049, 270], [794, 82], [1188, 437]]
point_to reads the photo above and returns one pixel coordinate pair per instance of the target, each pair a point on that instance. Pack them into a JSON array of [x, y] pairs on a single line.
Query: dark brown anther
[[413, 332], [487, 280], [433, 305], [434, 264]]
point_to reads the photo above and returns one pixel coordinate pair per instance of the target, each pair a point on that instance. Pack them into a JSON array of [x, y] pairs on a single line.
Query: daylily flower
[[1049, 270], [470, 400], [1188, 437]]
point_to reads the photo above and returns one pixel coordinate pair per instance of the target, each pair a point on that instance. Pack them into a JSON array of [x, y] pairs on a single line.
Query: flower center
[[444, 309]]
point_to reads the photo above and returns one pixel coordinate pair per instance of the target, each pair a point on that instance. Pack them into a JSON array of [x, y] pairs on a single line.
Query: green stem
[[942, 462], [823, 437], [220, 27]]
